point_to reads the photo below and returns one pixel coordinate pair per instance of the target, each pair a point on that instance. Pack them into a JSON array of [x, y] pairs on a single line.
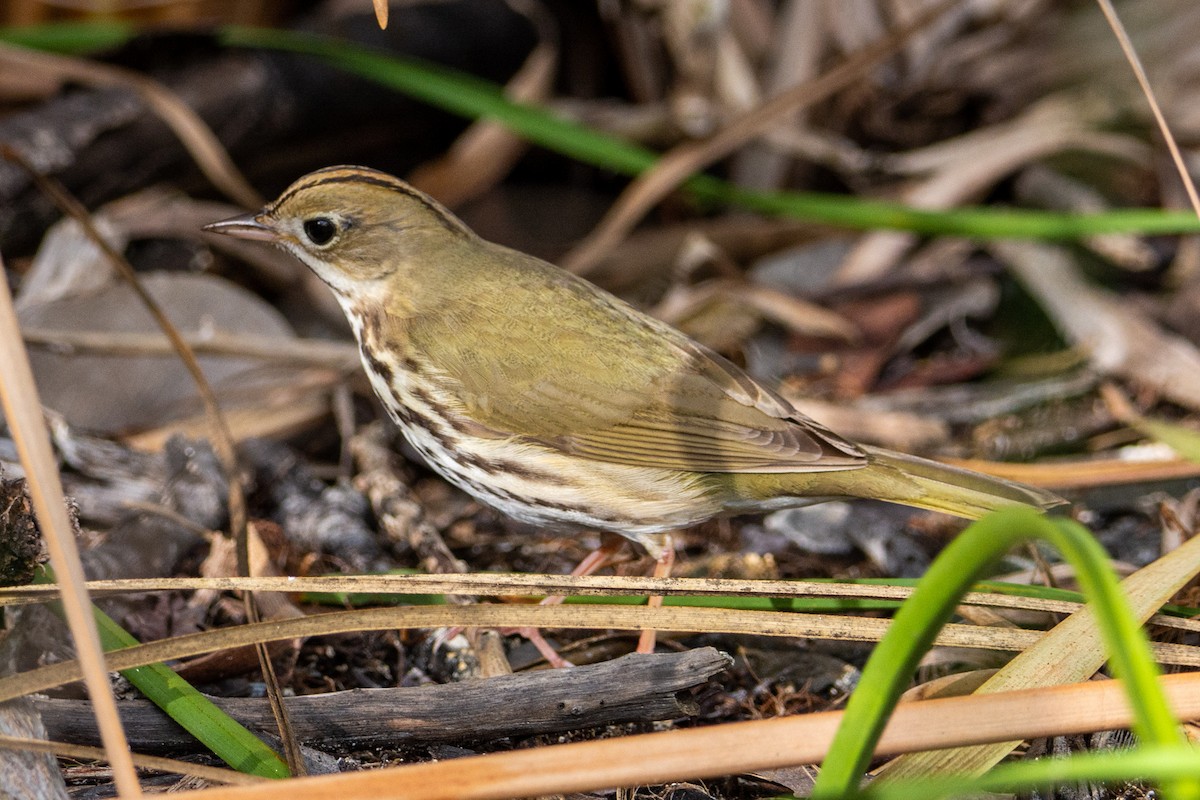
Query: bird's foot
[[535, 638]]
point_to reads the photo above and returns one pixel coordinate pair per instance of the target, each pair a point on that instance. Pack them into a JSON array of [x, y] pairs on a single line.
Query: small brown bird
[[557, 403]]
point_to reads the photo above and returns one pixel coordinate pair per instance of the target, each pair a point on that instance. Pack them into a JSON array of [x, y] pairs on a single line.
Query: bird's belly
[[537, 484]]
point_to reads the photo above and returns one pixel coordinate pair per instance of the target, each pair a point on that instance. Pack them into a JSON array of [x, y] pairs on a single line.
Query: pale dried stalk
[[23, 411], [597, 617], [1135, 63], [381, 13], [532, 585], [170, 765], [311, 352]]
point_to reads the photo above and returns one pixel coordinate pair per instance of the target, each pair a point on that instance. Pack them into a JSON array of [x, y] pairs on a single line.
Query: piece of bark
[[20, 540], [634, 688]]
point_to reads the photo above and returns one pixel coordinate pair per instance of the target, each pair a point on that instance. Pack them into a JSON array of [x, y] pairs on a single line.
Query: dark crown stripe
[[373, 178]]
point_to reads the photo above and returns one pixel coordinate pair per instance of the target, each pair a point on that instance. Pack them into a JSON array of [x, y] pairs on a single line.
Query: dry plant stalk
[[83, 752], [599, 617], [533, 585], [18, 395]]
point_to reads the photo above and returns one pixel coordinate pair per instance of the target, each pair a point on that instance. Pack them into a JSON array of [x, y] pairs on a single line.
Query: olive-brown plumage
[[555, 402]]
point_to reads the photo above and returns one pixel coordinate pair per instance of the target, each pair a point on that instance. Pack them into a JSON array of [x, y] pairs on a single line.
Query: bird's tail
[[922, 483]]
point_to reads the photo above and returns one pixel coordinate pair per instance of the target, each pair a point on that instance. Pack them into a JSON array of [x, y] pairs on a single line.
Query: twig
[[309, 352], [171, 765], [634, 688], [1135, 63], [506, 615]]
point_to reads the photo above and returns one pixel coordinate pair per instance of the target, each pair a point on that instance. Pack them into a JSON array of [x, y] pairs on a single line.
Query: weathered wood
[[635, 688], [26, 773]]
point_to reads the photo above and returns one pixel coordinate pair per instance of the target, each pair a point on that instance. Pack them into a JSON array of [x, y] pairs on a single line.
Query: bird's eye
[[320, 230]]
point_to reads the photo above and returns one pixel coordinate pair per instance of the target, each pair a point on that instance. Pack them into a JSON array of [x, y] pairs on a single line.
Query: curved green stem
[[891, 665]]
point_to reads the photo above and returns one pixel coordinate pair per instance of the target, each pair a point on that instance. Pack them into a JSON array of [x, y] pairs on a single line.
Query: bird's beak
[[244, 226]]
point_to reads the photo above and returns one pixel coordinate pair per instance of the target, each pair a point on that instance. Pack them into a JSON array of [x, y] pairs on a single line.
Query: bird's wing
[[712, 417], [610, 384]]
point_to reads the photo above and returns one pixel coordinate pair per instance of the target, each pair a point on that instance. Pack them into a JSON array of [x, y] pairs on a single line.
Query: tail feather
[[939, 487]]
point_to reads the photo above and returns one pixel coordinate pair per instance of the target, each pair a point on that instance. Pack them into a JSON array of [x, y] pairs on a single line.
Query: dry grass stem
[[532, 585], [304, 352], [381, 13], [79, 751], [23, 412], [1139, 71], [597, 617], [1093, 473]]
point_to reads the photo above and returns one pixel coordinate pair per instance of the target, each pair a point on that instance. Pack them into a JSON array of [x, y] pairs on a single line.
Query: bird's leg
[[663, 562], [593, 562], [535, 638]]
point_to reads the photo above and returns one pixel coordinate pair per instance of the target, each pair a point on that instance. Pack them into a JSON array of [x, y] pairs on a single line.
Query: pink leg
[[535, 638], [593, 562], [662, 569]]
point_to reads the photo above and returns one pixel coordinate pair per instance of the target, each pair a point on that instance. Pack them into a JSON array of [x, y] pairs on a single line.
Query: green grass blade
[[471, 97], [70, 38], [1163, 764], [357, 599], [736, 603], [891, 665], [456, 92], [212, 727]]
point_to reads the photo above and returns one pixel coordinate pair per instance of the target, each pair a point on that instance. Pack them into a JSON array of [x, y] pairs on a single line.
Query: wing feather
[[613, 384]]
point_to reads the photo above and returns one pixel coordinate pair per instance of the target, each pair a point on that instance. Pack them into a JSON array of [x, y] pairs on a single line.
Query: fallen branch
[[635, 688]]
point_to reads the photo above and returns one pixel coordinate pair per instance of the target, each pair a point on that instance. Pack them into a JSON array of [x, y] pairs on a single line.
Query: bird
[[557, 403]]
